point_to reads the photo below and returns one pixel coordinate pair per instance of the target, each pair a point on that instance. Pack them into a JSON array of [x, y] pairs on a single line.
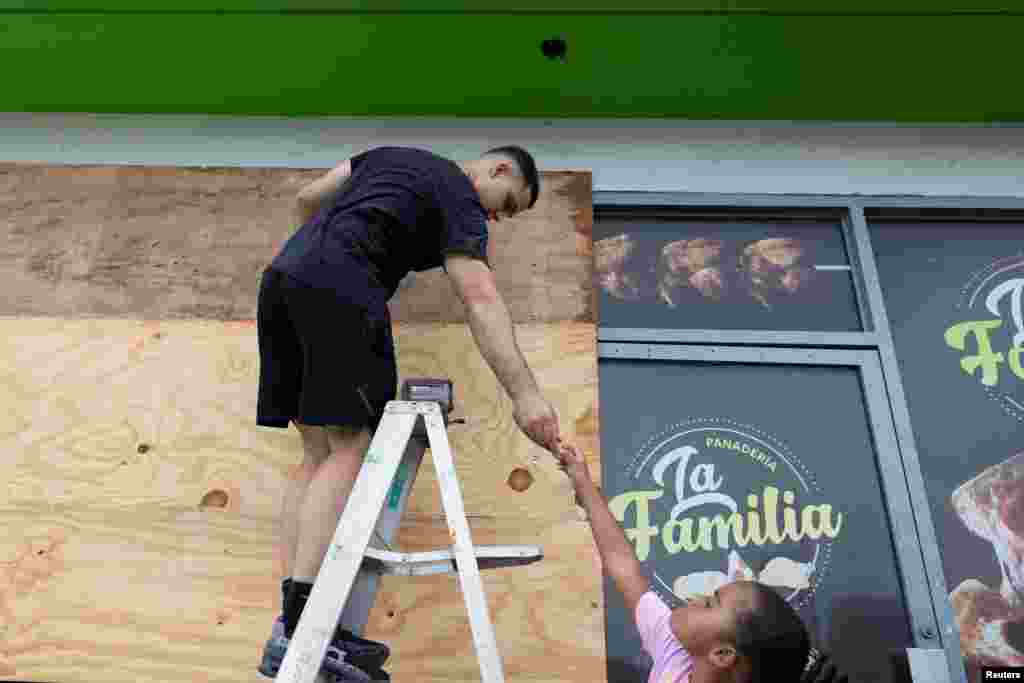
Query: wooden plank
[[178, 243], [114, 569]]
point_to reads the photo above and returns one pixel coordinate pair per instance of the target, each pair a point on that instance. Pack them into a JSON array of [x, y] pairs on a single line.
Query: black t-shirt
[[402, 209]]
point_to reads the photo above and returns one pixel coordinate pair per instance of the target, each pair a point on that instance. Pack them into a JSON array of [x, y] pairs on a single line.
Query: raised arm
[[617, 556]]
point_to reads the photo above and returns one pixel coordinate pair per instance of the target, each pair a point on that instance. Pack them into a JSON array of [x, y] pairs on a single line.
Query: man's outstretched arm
[[492, 329], [490, 323], [312, 197]]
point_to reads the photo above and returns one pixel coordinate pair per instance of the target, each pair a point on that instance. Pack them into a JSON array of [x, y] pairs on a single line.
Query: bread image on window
[[624, 268], [773, 270], [695, 264], [990, 628], [783, 572], [991, 621], [704, 584], [779, 572], [677, 273]]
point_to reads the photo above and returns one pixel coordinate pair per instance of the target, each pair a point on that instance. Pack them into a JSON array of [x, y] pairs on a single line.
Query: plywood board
[[114, 431], [173, 243], [144, 500]]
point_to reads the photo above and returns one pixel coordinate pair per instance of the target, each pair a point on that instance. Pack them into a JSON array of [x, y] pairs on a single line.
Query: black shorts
[[323, 361]]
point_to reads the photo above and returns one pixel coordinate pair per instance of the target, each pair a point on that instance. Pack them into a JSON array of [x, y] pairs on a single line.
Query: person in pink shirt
[[744, 633]]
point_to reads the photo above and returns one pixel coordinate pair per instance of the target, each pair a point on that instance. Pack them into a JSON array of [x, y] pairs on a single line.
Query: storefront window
[[953, 296], [727, 272]]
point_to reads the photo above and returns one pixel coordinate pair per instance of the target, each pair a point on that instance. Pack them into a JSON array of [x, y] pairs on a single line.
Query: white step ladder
[[346, 585]]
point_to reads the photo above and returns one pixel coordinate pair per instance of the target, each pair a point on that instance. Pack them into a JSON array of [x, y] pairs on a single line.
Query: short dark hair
[[526, 165], [772, 636]]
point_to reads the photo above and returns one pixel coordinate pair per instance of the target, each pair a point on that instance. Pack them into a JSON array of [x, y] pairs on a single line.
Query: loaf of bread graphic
[[991, 630], [695, 264], [703, 584], [624, 268], [783, 572], [775, 269], [991, 506], [779, 572]]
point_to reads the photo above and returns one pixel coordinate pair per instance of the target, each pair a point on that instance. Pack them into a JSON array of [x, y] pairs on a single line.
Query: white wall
[[651, 155]]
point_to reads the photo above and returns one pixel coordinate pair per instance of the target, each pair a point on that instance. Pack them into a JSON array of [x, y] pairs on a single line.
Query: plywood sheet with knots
[[143, 500], [143, 503]]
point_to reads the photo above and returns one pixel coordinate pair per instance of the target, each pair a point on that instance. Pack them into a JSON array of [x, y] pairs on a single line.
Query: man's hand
[[572, 462], [538, 420]]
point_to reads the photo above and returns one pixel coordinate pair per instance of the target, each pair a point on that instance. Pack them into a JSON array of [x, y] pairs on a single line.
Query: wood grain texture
[[114, 432], [180, 243]]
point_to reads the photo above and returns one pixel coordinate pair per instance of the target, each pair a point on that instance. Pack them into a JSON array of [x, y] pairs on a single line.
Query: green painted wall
[[439, 62], [831, 7]]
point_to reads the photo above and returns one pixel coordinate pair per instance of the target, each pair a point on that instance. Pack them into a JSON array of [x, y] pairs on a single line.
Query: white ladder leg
[[364, 593], [348, 547], [469, 572], [377, 503]]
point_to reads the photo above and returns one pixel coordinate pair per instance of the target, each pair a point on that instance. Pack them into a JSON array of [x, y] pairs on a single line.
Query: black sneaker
[[334, 662], [368, 655]]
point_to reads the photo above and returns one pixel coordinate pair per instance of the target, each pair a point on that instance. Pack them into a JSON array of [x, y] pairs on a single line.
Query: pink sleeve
[[652, 620]]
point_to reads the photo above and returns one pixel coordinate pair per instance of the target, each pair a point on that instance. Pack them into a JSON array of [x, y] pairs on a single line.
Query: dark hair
[[821, 669], [772, 636], [526, 165]]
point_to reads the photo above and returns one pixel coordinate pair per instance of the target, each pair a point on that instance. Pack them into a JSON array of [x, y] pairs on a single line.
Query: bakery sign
[[709, 501], [990, 334]]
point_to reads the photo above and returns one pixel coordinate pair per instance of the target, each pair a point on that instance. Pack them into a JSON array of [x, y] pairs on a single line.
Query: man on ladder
[[327, 359]]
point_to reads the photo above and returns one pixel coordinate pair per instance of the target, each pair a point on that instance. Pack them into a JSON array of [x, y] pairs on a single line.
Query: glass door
[[772, 464]]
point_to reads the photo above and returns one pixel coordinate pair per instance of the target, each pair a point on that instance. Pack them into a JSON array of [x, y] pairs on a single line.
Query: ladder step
[[443, 561]]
